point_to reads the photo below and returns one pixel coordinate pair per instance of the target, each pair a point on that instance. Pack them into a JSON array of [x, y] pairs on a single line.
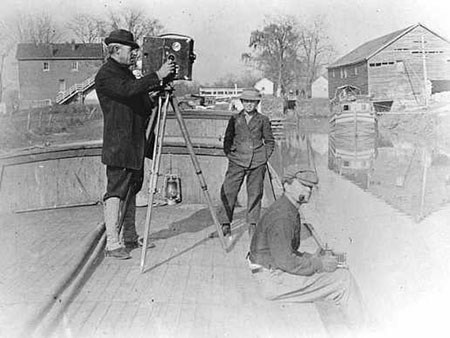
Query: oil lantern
[[172, 184]]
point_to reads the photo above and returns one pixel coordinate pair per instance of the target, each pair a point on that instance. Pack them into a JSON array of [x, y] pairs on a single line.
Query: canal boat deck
[[190, 286]]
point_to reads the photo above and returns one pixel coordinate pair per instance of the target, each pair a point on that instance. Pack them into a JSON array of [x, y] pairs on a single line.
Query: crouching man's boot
[[113, 247]]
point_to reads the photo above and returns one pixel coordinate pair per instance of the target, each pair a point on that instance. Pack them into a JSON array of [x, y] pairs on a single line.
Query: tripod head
[[162, 91]]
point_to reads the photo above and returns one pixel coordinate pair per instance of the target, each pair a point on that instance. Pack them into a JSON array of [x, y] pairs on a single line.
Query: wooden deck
[[190, 288], [37, 250]]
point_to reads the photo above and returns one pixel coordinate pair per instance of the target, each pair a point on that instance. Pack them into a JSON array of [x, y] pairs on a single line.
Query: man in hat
[[126, 108], [248, 144], [285, 274]]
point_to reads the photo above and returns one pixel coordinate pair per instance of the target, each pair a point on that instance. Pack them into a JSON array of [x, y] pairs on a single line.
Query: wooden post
[[424, 62], [29, 121], [425, 161], [40, 119]]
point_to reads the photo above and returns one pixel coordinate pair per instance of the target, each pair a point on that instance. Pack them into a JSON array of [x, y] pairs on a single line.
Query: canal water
[[413, 179]]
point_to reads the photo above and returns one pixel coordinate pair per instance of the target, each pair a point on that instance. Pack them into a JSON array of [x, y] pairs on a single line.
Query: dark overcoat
[[248, 145], [126, 107]]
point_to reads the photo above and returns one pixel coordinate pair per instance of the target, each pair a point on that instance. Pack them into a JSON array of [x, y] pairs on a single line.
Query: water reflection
[[352, 152], [404, 174], [407, 174]]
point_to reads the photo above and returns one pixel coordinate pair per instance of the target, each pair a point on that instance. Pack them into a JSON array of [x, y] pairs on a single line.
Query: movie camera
[[178, 48]]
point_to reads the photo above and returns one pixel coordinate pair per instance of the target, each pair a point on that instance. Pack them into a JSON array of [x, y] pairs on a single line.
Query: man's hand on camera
[[329, 263], [166, 69]]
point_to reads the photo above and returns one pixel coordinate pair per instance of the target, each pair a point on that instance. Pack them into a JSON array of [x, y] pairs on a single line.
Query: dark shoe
[[226, 229], [138, 244], [251, 229], [120, 253]]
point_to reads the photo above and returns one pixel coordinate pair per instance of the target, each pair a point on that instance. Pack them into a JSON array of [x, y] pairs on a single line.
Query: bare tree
[[315, 51], [87, 28], [38, 28], [6, 45], [136, 22], [275, 50], [21, 28]]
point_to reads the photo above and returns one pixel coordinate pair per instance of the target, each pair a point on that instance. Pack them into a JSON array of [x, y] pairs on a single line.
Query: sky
[[221, 29]]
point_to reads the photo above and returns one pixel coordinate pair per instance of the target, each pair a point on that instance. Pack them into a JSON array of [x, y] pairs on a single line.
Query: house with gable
[[319, 88], [404, 67], [56, 73], [265, 86]]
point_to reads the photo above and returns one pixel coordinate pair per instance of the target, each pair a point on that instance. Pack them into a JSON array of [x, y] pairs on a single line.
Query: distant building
[[56, 72], [319, 87], [220, 92], [265, 86], [397, 67]]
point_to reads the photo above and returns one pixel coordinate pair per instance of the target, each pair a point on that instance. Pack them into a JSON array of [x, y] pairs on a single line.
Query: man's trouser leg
[[255, 190], [129, 233], [338, 287], [111, 214], [229, 192]]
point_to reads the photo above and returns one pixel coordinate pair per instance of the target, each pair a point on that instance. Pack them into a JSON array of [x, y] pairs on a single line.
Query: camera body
[[178, 48]]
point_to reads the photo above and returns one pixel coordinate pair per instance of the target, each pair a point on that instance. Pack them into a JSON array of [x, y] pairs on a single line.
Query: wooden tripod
[[154, 173]]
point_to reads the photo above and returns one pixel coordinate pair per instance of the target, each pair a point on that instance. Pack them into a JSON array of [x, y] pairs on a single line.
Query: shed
[[396, 67]]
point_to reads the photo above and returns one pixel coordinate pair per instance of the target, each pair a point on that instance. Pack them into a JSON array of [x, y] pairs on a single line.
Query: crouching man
[[285, 274]]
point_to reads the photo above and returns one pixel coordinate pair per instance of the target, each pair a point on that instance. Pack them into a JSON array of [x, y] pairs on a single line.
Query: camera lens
[[171, 57]]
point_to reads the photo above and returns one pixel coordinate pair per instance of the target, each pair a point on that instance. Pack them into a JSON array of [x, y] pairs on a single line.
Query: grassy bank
[[38, 126]]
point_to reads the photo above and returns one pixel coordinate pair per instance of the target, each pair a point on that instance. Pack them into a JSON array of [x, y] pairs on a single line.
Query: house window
[[75, 66], [342, 72], [356, 70], [334, 74], [345, 73], [46, 67]]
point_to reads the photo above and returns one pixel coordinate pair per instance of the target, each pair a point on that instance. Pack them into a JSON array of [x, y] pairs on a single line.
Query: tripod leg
[[160, 126], [197, 168]]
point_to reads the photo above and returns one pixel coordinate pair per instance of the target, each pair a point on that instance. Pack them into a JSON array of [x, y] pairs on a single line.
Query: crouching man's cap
[[304, 175]]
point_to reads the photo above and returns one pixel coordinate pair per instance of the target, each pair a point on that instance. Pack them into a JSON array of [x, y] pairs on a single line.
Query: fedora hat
[[251, 94], [123, 37]]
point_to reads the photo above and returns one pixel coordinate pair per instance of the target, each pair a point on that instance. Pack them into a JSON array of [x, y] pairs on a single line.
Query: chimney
[[74, 46]]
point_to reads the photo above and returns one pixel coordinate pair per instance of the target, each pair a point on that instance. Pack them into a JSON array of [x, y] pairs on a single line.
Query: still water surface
[[411, 178]]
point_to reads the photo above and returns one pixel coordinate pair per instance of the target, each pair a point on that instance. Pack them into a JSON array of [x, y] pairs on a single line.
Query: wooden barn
[[50, 73], [404, 67]]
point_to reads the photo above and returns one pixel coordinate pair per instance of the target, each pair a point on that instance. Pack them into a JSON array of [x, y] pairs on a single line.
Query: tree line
[[290, 54]]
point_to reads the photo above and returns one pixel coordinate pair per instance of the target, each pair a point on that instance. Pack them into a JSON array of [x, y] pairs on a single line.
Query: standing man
[[285, 274], [126, 108], [248, 144]]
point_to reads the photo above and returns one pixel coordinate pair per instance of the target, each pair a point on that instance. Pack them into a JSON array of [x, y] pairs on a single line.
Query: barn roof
[[79, 51], [372, 47]]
